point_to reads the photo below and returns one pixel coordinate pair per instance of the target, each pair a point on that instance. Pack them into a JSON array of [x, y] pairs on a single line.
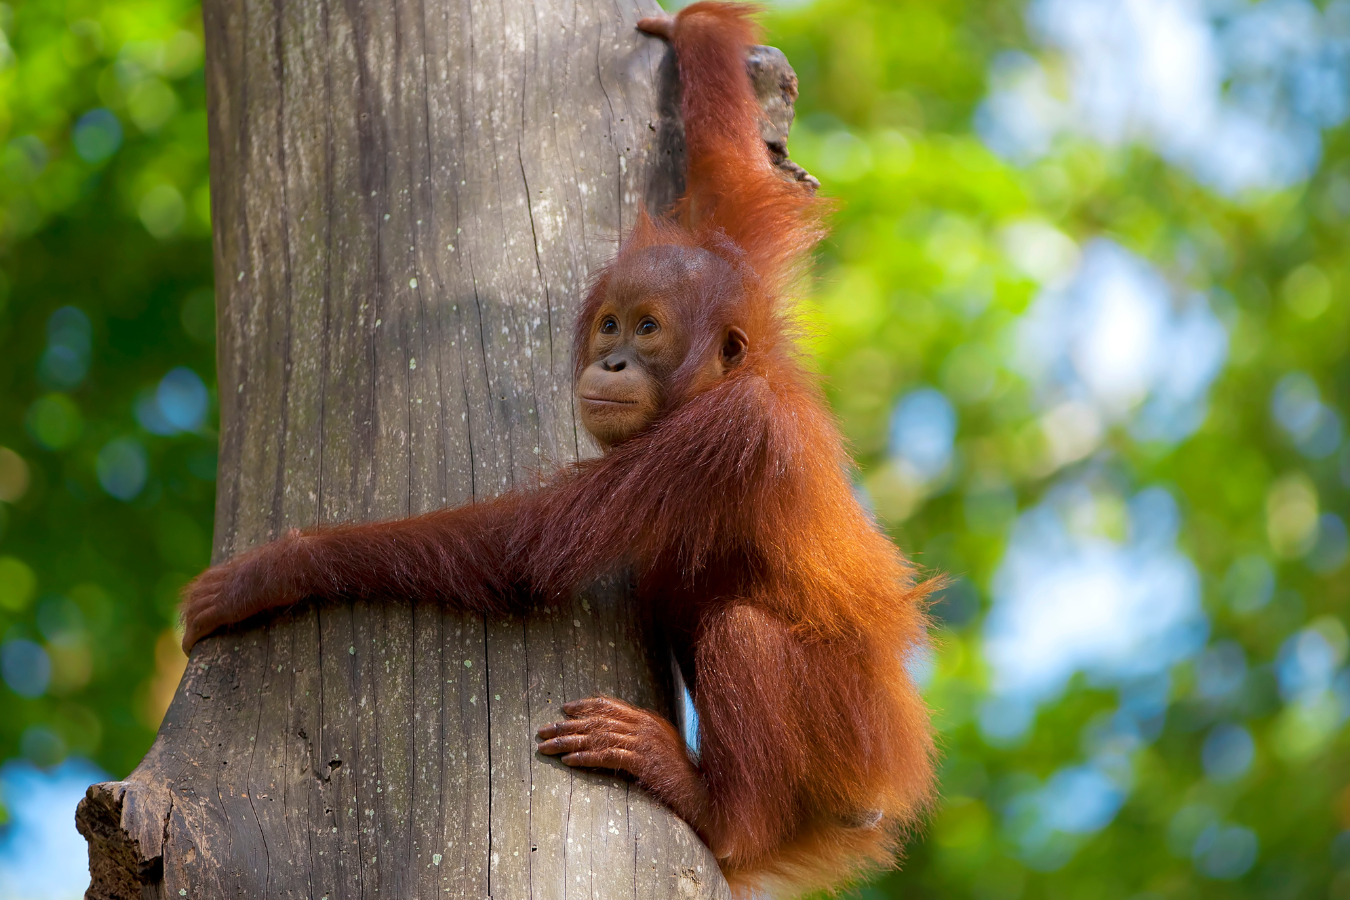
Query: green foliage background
[[118, 227]]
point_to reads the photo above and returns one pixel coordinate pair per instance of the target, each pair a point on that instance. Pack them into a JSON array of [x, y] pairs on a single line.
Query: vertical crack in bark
[[252, 756], [437, 279], [529, 766], [409, 341], [482, 349], [410, 845], [164, 840], [354, 688], [510, 479], [325, 788], [366, 87], [325, 302], [539, 267], [459, 324], [288, 302], [534, 230], [579, 278], [618, 159], [487, 704], [441, 745], [465, 141]]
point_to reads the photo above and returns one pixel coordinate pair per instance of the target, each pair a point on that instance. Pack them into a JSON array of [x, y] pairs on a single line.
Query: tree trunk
[[408, 198]]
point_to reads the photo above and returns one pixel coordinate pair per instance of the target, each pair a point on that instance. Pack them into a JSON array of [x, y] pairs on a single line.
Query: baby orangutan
[[725, 488]]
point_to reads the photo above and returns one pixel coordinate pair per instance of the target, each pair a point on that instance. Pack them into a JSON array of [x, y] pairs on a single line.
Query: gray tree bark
[[408, 198]]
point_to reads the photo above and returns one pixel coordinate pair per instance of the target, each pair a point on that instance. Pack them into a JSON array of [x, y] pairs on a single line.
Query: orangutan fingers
[[570, 726], [589, 706], [617, 759], [571, 743], [606, 707], [588, 725]]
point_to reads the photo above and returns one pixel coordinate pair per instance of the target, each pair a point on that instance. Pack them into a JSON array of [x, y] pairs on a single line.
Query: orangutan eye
[[648, 326], [610, 325]]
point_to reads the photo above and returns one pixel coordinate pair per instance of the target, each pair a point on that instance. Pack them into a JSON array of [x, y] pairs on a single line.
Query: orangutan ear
[[734, 347]]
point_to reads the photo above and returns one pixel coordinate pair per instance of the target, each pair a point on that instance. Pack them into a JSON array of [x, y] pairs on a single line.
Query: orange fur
[[789, 612]]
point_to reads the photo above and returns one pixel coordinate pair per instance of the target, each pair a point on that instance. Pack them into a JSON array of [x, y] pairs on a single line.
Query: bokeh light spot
[[1307, 291], [26, 667], [182, 399], [151, 103], [1329, 552], [1081, 800], [1221, 670], [54, 421], [1296, 404], [42, 745], [61, 367], [1225, 852], [13, 476], [122, 468], [59, 618], [18, 584], [1005, 720], [149, 415], [1249, 584], [1040, 251], [1308, 659], [97, 135], [1291, 515], [1305, 728], [923, 430], [65, 362], [70, 327], [162, 211], [1228, 752], [968, 373], [844, 157]]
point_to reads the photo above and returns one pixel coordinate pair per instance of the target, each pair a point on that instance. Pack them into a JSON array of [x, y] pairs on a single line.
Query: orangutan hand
[[240, 587]]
